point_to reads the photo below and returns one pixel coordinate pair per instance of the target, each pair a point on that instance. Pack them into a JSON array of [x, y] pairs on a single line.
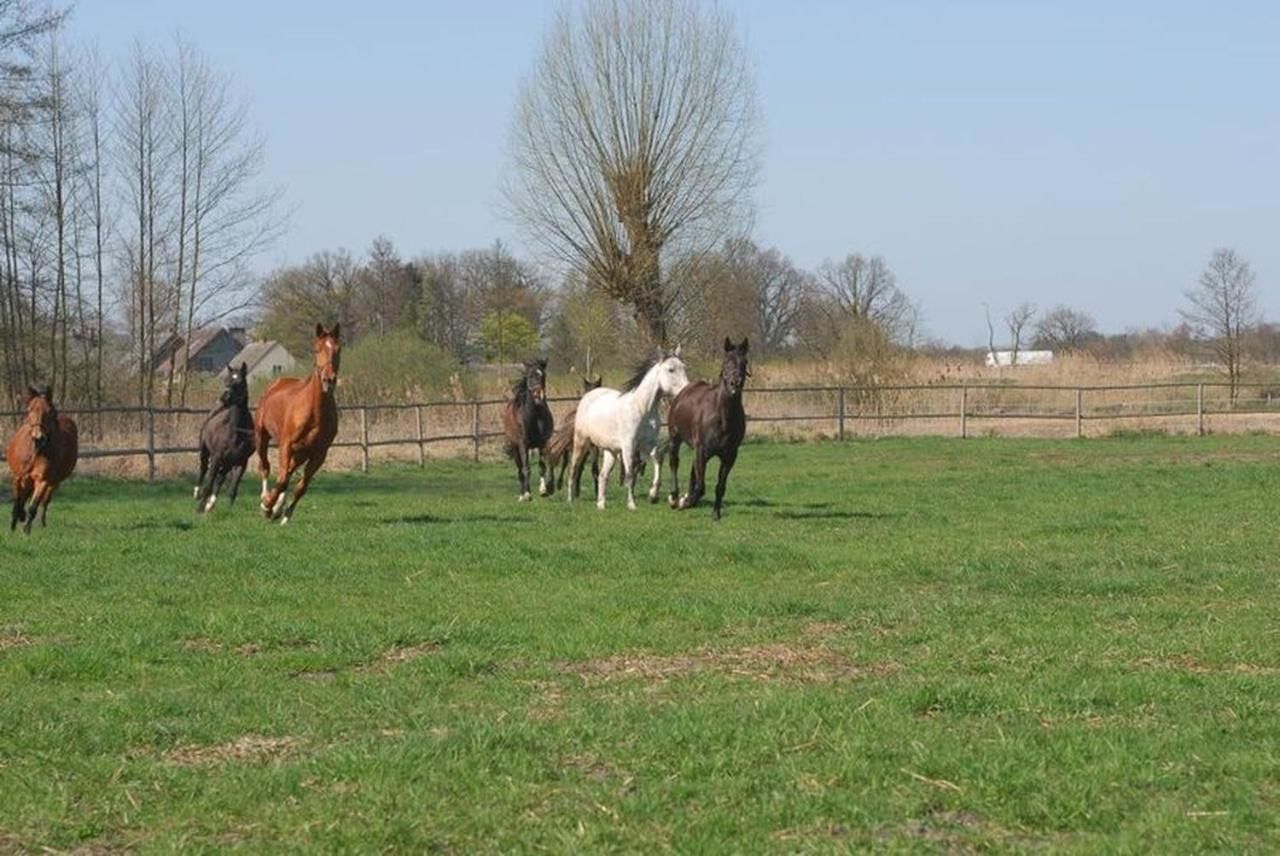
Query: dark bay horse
[[528, 424], [559, 448], [302, 417], [226, 440], [709, 418], [41, 454]]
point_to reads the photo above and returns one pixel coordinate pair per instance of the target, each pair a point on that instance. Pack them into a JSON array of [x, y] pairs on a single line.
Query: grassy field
[[900, 645]]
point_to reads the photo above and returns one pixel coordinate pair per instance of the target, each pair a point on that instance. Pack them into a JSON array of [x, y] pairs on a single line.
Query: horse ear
[[743, 346], [244, 371], [728, 346], [319, 330], [677, 351], [335, 331], [33, 391], [542, 363]]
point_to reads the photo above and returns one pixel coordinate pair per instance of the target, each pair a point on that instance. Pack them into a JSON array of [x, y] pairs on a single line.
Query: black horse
[[709, 418], [559, 448], [226, 440], [528, 424]]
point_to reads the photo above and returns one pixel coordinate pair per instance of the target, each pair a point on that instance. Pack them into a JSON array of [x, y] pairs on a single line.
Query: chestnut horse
[[528, 423], [709, 418], [41, 454], [302, 417], [560, 445]]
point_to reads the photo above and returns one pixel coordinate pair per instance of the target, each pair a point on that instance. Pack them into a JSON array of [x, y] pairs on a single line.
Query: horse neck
[[316, 396], [644, 398]]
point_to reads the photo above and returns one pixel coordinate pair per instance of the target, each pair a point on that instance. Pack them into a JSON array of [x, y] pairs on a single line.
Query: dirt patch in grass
[[786, 662], [397, 654], [13, 637], [247, 749], [204, 645], [1187, 663]]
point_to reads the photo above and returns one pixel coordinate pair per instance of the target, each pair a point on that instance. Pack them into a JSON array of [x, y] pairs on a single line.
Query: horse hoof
[[600, 505], [284, 521], [524, 497], [195, 493], [673, 501]]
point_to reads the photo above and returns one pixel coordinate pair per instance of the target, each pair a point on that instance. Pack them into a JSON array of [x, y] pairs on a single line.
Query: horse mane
[[637, 376], [520, 389]]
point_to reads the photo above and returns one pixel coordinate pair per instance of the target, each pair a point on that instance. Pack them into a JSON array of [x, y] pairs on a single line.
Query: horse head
[[328, 351], [672, 374], [42, 418], [734, 371], [236, 390], [535, 379]]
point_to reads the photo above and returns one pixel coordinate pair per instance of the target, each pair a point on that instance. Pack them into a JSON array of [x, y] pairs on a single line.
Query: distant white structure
[[1025, 358]]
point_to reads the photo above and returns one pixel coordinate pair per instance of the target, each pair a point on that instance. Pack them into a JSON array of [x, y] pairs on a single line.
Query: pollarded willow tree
[[634, 146]]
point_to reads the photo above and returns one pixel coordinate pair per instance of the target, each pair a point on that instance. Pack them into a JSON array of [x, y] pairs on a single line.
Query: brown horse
[[528, 424], [302, 417], [711, 420], [41, 454], [560, 445]]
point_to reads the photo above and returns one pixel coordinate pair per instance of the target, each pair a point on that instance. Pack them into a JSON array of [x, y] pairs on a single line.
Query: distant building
[[1025, 358], [211, 349], [264, 359]]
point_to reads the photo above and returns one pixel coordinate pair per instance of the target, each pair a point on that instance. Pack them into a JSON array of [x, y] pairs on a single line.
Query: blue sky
[[1088, 153]]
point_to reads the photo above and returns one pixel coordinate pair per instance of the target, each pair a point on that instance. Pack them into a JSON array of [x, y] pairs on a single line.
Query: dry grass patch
[[13, 637], [246, 749], [776, 661], [1187, 663], [397, 654]]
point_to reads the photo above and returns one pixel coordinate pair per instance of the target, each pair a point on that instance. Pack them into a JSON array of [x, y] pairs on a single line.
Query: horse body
[[625, 423], [528, 424], [301, 415], [41, 455], [711, 419], [226, 441]]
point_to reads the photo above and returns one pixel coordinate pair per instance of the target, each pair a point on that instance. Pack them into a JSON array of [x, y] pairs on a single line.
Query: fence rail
[[956, 409]]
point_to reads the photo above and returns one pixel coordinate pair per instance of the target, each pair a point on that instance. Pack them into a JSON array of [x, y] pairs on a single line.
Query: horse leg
[[261, 444], [274, 501], [44, 505], [37, 496], [697, 479], [629, 459], [204, 468], [722, 479], [238, 471], [673, 499], [543, 489], [208, 475], [602, 482], [20, 494], [522, 470], [580, 451], [216, 479], [655, 457], [308, 470]]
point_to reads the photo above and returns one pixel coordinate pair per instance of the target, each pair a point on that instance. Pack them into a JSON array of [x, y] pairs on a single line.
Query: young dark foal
[[301, 415], [560, 445], [41, 454], [528, 424], [226, 440], [709, 418]]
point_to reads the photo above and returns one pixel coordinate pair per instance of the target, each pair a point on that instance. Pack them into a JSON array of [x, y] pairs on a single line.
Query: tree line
[[132, 209]]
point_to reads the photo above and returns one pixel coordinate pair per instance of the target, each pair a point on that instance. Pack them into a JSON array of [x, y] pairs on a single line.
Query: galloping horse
[[560, 446], [711, 420], [528, 424], [625, 423], [226, 440], [41, 454], [302, 417]]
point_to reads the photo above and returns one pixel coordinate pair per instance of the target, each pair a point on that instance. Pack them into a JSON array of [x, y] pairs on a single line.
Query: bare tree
[[634, 145], [1017, 321], [1065, 329], [776, 287], [1224, 308], [866, 289]]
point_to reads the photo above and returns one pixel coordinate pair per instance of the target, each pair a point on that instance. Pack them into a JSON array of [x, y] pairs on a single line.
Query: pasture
[[912, 644]]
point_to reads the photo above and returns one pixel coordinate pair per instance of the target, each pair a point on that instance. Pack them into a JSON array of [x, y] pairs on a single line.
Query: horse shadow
[[431, 519]]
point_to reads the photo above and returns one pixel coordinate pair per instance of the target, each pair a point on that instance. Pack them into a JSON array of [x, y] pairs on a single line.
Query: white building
[[1025, 358]]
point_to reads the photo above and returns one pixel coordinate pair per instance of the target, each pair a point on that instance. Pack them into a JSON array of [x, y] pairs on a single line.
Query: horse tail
[[561, 442]]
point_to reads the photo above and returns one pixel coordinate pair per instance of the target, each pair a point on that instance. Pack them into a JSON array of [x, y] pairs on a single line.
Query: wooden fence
[[961, 410]]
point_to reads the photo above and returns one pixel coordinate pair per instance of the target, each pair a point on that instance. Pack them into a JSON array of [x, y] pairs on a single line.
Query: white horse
[[625, 423]]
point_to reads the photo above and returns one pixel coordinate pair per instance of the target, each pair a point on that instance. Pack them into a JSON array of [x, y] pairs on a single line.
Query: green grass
[[901, 645]]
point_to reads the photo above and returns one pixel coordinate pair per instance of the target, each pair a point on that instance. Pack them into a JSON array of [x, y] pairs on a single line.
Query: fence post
[[364, 439], [422, 453], [475, 429], [840, 414], [964, 412], [151, 444], [1200, 410], [1079, 412]]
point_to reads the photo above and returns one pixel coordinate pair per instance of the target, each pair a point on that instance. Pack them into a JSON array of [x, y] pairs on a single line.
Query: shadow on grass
[[836, 515], [179, 525], [418, 519]]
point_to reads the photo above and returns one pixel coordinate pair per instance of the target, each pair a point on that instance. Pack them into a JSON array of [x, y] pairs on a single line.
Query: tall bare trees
[[634, 146], [1223, 309]]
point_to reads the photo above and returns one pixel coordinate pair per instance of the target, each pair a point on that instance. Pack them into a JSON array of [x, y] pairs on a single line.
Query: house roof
[[173, 351], [255, 352]]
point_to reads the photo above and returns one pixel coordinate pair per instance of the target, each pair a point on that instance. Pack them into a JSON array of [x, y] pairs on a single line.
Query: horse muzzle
[[40, 439], [328, 383]]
